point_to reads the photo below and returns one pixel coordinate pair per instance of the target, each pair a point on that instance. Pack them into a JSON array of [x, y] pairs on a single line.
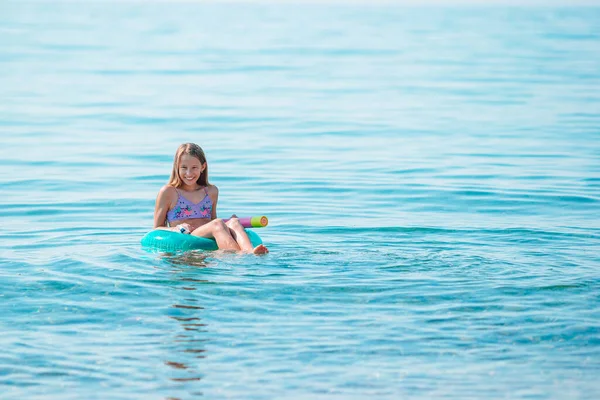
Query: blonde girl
[[188, 204]]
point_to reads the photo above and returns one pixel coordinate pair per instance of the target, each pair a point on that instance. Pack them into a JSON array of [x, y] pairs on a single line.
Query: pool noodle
[[252, 222]]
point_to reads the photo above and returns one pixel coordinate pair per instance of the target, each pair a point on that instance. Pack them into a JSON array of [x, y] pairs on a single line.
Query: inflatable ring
[[169, 241]]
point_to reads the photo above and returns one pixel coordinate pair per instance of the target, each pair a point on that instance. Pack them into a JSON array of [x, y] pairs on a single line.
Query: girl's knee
[[234, 223], [218, 224]]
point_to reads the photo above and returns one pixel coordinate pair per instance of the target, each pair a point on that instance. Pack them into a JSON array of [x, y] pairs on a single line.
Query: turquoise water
[[431, 175]]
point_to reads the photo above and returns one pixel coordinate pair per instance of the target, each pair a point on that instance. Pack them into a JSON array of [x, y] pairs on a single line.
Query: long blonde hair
[[193, 150]]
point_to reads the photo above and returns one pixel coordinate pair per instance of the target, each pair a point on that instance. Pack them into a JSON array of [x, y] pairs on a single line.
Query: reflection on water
[[176, 365], [189, 343], [187, 259]]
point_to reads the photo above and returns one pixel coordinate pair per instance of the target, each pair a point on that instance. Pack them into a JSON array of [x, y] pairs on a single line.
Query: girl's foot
[[260, 249]]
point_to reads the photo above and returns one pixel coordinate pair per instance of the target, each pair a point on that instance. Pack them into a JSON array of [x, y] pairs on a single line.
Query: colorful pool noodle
[[252, 222]]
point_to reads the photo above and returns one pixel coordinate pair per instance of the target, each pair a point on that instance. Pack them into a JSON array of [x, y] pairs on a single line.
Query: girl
[[188, 204]]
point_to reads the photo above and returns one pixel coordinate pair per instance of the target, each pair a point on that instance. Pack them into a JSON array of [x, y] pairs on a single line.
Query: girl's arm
[[164, 199], [215, 199]]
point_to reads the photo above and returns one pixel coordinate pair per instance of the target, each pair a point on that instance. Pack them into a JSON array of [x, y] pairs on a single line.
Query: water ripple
[[430, 176]]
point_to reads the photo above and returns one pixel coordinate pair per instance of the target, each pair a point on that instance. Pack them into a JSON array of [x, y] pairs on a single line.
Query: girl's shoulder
[[212, 190], [168, 191]]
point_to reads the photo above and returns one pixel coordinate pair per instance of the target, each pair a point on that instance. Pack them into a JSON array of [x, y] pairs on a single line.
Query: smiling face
[[190, 169]]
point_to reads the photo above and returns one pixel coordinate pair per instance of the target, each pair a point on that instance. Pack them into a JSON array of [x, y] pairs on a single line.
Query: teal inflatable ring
[[168, 241]]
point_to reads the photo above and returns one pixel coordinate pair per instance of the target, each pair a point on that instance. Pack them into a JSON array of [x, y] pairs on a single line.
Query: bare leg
[[240, 235], [216, 229], [242, 239]]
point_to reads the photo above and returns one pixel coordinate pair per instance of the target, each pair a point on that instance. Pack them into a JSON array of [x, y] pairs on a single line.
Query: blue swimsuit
[[185, 209]]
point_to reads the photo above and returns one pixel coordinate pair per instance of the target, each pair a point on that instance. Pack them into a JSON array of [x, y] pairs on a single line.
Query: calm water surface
[[431, 175]]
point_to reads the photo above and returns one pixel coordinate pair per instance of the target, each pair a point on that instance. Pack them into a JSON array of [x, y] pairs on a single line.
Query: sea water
[[431, 175]]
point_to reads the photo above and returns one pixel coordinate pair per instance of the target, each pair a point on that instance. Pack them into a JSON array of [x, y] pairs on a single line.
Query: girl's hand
[[184, 228]]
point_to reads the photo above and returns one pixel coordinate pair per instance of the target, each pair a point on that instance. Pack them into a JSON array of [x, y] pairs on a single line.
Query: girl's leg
[[241, 237], [220, 232]]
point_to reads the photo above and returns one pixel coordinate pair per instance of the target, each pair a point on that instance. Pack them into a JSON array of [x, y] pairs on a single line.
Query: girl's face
[[190, 169]]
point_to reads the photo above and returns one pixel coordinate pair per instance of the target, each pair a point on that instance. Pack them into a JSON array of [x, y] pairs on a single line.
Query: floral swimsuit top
[[185, 209]]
